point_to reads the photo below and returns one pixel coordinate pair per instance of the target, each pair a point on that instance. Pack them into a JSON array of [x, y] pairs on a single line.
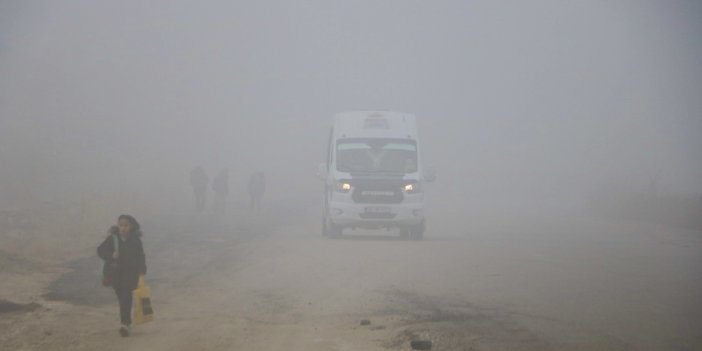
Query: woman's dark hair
[[132, 221]]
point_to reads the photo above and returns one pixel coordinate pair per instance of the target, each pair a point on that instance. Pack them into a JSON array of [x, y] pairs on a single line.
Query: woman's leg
[[124, 296]]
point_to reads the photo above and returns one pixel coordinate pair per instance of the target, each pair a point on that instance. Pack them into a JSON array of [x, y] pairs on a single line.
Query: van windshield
[[376, 155]]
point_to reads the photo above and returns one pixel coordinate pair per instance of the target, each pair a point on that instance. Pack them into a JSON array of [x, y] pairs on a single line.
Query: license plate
[[378, 209]]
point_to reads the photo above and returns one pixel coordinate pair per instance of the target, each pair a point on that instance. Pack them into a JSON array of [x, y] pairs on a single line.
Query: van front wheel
[[330, 229], [417, 232]]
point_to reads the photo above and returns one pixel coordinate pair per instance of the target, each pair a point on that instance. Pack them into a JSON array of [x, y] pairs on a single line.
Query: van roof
[[375, 124]]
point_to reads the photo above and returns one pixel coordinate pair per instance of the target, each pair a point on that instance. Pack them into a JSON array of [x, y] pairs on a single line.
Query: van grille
[[378, 194], [377, 215]]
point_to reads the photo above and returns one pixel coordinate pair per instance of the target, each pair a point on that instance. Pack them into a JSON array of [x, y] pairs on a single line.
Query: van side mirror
[[429, 174], [322, 171]]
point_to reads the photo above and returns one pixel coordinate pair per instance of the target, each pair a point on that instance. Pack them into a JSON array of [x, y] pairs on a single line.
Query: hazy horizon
[[526, 103]]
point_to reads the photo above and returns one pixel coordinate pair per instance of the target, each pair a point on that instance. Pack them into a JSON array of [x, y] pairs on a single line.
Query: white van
[[374, 174]]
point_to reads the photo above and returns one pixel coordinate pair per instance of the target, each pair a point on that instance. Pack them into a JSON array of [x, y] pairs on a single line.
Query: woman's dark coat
[[131, 262]]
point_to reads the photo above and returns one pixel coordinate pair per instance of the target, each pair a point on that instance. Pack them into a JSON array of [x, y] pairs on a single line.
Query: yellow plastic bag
[[143, 312]]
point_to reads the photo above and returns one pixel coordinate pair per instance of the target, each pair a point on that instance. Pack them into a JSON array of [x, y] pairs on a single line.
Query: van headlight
[[411, 188], [343, 187]]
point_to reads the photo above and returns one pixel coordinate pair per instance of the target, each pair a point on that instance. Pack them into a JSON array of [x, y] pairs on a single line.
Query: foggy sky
[[517, 101]]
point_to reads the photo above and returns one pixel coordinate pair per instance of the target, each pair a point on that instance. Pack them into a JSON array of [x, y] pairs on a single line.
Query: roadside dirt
[[271, 282]]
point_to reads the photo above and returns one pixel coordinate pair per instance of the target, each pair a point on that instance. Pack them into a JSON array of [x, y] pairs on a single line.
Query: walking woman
[[130, 263]]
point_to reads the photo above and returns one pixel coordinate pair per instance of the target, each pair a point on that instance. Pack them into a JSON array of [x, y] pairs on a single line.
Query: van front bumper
[[376, 215]]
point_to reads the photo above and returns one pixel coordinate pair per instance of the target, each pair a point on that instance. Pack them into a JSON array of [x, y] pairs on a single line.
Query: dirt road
[[272, 283]]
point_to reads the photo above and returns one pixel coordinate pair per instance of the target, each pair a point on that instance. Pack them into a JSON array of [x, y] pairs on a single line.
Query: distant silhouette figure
[[220, 186], [199, 181], [257, 186]]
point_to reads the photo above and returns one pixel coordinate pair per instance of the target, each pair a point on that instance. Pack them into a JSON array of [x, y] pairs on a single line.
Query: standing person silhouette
[[220, 186], [199, 181]]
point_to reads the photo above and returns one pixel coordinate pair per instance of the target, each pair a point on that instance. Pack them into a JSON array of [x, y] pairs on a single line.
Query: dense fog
[[566, 139], [540, 105]]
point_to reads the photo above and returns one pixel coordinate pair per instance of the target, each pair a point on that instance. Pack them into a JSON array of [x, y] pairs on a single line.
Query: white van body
[[373, 174]]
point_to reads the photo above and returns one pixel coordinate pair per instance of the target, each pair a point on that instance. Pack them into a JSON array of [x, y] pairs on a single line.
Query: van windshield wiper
[[394, 171], [347, 168]]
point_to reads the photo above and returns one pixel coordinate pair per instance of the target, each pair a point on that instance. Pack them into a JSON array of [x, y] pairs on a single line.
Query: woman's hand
[[115, 255]]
